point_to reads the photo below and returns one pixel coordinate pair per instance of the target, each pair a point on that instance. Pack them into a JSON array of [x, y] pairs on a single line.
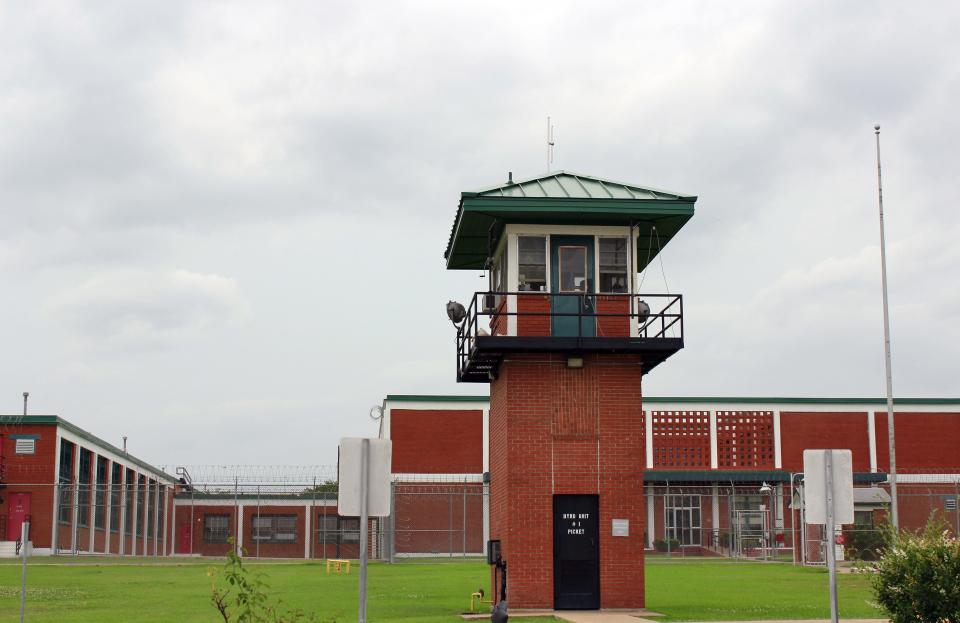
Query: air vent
[[25, 446]]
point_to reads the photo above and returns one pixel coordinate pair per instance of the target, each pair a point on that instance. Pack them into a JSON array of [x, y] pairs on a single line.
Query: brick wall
[[555, 430], [925, 441], [437, 441], [22, 472], [800, 431], [613, 326], [528, 321]]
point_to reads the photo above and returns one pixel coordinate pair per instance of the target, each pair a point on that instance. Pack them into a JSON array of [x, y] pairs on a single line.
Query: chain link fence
[[445, 517]]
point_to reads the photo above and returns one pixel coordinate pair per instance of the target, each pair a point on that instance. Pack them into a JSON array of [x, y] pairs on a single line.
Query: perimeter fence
[[442, 516]]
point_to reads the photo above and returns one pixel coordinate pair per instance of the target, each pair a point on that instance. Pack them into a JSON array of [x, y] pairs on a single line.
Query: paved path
[[595, 616]]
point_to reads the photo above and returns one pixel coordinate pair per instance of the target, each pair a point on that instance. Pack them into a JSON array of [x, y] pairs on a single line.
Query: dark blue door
[[572, 284], [576, 552]]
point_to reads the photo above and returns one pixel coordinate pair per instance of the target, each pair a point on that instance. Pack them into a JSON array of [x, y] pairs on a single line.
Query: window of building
[[274, 529], [573, 269], [25, 446], [863, 519], [613, 265], [128, 511], [141, 507], [500, 272], [216, 528], [328, 529], [532, 265], [65, 480], [116, 476], [83, 488], [349, 530], [151, 514], [161, 510], [100, 494], [683, 518]]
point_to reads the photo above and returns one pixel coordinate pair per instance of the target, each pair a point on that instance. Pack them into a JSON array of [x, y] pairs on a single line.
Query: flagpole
[[886, 345]]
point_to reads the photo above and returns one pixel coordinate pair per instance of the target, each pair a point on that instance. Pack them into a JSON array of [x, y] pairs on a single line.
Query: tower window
[[532, 267], [613, 265]]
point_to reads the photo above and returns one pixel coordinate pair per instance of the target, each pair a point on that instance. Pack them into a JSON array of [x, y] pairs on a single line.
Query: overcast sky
[[222, 225]]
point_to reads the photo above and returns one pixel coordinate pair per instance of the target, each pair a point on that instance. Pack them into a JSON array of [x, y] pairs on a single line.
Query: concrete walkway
[[595, 616]]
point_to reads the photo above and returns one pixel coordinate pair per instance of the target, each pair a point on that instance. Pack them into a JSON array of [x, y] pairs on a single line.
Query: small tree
[[245, 598], [918, 575]]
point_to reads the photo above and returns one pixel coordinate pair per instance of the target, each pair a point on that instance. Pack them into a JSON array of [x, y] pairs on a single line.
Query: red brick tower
[[564, 340]]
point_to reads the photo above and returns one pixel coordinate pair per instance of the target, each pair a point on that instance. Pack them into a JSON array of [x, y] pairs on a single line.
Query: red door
[[17, 512], [184, 546]]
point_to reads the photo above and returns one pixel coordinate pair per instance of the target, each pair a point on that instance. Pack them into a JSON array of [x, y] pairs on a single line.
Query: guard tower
[[564, 339]]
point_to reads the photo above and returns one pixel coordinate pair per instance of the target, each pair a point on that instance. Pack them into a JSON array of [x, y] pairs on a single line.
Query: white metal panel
[[348, 496], [814, 482]]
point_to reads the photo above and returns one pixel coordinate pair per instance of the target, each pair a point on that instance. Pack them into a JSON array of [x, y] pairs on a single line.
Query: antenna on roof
[[550, 143], [25, 396]]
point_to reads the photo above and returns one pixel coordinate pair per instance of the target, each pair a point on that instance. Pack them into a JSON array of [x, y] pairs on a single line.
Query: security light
[[456, 312], [643, 312], [765, 488]]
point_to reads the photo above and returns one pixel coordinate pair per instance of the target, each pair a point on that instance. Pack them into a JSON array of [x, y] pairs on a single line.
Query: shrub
[[864, 543], [245, 598], [663, 545], [917, 575]]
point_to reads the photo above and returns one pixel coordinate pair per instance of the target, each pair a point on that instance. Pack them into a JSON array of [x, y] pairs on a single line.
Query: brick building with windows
[[79, 493], [706, 459]]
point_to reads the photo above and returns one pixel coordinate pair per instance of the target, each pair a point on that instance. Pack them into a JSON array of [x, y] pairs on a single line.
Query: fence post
[[392, 537], [464, 521], [24, 540]]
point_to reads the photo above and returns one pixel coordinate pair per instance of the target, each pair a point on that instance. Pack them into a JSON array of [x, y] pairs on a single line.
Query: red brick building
[[705, 460], [79, 493]]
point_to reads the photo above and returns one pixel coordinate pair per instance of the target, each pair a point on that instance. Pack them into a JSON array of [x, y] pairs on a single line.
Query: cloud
[[138, 309]]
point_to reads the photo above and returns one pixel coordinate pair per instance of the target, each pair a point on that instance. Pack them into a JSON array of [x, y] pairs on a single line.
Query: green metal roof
[[54, 420], [560, 198]]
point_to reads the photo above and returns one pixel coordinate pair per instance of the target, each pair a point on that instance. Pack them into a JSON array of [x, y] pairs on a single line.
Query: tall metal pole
[[25, 396], [829, 529], [24, 536], [886, 345], [364, 494]]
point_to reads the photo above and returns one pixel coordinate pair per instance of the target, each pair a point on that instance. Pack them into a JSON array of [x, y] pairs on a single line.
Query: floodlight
[[765, 488], [643, 312], [456, 312]]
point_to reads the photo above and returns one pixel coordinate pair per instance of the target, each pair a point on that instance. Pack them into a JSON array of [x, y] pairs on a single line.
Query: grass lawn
[[108, 590], [721, 590]]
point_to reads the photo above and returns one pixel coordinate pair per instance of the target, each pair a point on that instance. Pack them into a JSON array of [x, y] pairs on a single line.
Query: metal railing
[[656, 316]]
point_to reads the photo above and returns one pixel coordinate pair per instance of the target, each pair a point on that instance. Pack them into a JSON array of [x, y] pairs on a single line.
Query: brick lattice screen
[[745, 439], [681, 439]]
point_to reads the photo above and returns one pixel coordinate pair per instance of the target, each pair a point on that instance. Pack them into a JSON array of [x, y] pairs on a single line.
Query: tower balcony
[[572, 323]]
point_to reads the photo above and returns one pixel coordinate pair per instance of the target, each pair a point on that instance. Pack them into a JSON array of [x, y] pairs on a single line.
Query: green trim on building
[[713, 399], [428, 398], [54, 420], [782, 400], [728, 476]]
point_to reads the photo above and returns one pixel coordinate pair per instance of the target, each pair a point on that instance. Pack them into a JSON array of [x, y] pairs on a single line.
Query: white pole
[[831, 548], [886, 344], [24, 533], [364, 492]]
